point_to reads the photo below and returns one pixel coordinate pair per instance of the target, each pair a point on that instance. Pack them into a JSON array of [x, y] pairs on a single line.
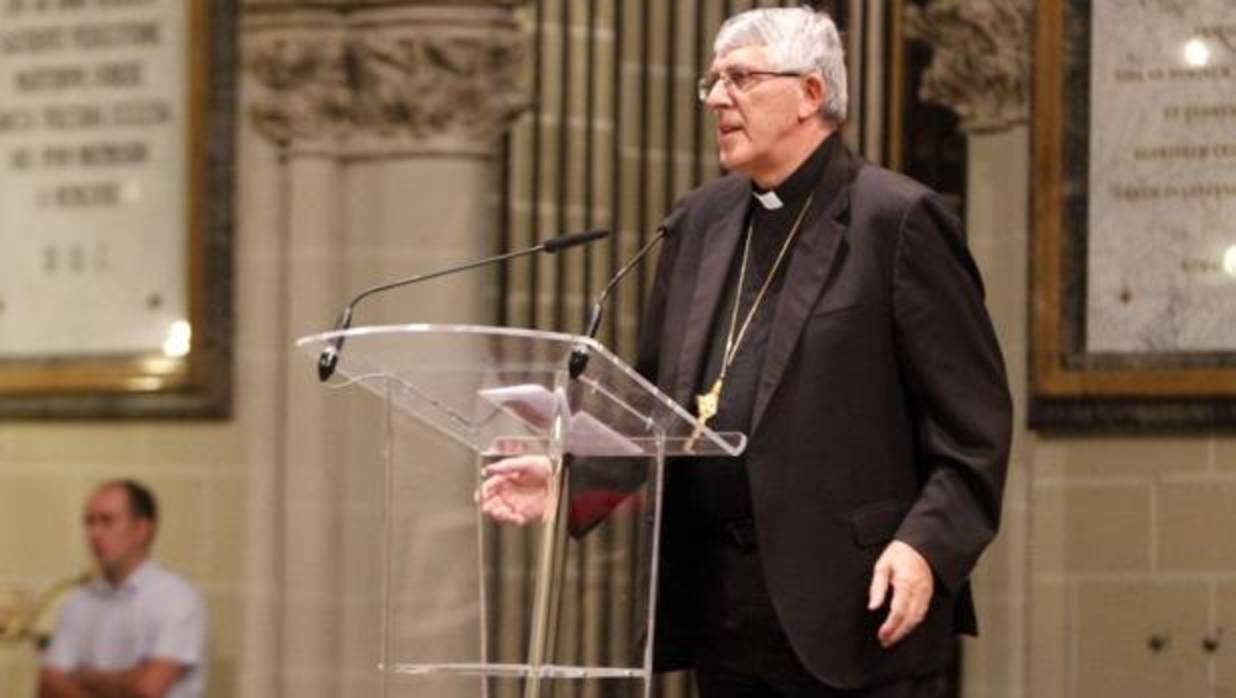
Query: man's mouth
[[727, 129]]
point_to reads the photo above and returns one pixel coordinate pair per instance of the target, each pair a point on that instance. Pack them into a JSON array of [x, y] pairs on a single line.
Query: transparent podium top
[[489, 387]]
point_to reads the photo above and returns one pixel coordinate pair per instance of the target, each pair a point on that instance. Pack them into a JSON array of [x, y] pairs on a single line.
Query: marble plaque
[[1161, 244], [94, 174]]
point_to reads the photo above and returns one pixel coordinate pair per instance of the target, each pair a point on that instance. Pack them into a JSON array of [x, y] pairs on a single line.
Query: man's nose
[[718, 96]]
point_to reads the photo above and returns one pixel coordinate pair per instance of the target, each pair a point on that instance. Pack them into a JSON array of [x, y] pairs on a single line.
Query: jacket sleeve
[[951, 364], [648, 344], [599, 485]]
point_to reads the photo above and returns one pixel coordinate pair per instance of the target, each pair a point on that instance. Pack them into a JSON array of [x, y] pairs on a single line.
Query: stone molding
[[383, 81], [980, 66]]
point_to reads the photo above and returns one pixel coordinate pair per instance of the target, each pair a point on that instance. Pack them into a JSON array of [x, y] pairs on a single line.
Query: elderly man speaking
[[829, 309]]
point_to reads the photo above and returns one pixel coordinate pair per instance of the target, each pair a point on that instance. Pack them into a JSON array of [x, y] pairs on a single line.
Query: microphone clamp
[[578, 361], [327, 361]]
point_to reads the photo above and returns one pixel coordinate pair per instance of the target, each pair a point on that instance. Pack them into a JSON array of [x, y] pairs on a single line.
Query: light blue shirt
[[153, 614]]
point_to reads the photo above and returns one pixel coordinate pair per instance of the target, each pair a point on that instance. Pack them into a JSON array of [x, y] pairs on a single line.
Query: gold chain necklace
[[708, 403]]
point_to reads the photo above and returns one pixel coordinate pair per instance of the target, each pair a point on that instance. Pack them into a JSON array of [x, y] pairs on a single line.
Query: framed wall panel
[[116, 132], [1133, 321]]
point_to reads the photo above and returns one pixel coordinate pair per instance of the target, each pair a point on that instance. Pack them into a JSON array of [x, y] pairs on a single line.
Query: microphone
[[580, 355], [329, 358]]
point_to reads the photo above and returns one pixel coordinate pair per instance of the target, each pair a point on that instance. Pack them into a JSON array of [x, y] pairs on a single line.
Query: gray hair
[[797, 39]]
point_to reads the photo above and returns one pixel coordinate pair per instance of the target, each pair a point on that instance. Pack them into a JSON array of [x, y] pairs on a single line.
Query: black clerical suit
[[874, 396]]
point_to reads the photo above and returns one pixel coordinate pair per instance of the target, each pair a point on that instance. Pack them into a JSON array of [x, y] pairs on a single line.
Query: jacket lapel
[[810, 266], [720, 244]]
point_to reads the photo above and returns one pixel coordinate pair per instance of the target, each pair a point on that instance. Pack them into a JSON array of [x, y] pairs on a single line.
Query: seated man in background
[[137, 631]]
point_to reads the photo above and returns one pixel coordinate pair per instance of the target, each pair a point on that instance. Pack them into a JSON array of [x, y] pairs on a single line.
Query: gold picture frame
[[1072, 385], [194, 380]]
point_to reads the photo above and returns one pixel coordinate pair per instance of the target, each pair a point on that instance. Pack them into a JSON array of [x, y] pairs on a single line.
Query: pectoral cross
[[706, 405]]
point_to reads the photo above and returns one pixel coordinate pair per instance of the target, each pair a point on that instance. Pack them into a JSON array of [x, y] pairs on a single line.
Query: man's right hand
[[54, 683], [515, 489]]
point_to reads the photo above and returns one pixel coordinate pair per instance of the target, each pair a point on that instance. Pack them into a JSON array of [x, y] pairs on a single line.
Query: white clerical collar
[[768, 199]]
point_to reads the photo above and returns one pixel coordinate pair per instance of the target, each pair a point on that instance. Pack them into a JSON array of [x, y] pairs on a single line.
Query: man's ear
[[814, 93], [147, 528]]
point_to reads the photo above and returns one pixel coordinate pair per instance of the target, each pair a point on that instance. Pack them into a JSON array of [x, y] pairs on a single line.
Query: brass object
[[21, 623]]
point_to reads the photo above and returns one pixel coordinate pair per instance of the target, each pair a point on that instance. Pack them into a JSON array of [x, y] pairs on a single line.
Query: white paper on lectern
[[534, 405]]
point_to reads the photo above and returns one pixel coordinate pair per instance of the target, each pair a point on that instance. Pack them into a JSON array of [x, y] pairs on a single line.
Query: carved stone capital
[[424, 78], [980, 66]]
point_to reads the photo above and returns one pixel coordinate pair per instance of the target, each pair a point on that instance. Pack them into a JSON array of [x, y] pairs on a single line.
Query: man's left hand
[[907, 572], [152, 678]]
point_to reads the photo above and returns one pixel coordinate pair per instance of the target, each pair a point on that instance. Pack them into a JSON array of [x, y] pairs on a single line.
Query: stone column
[[981, 70], [373, 129], [980, 65]]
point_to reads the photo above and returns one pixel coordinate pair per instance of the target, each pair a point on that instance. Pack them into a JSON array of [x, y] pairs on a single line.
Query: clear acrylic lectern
[[562, 606]]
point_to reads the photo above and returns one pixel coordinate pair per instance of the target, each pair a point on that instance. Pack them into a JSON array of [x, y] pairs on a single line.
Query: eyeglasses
[[738, 78]]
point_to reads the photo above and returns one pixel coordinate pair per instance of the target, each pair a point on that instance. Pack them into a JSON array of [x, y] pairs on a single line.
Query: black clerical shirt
[[719, 488]]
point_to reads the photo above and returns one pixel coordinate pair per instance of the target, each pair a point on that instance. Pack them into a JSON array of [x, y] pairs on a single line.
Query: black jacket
[[882, 411]]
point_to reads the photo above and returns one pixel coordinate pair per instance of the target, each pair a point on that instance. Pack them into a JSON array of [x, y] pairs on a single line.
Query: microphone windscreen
[[670, 225], [561, 243]]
